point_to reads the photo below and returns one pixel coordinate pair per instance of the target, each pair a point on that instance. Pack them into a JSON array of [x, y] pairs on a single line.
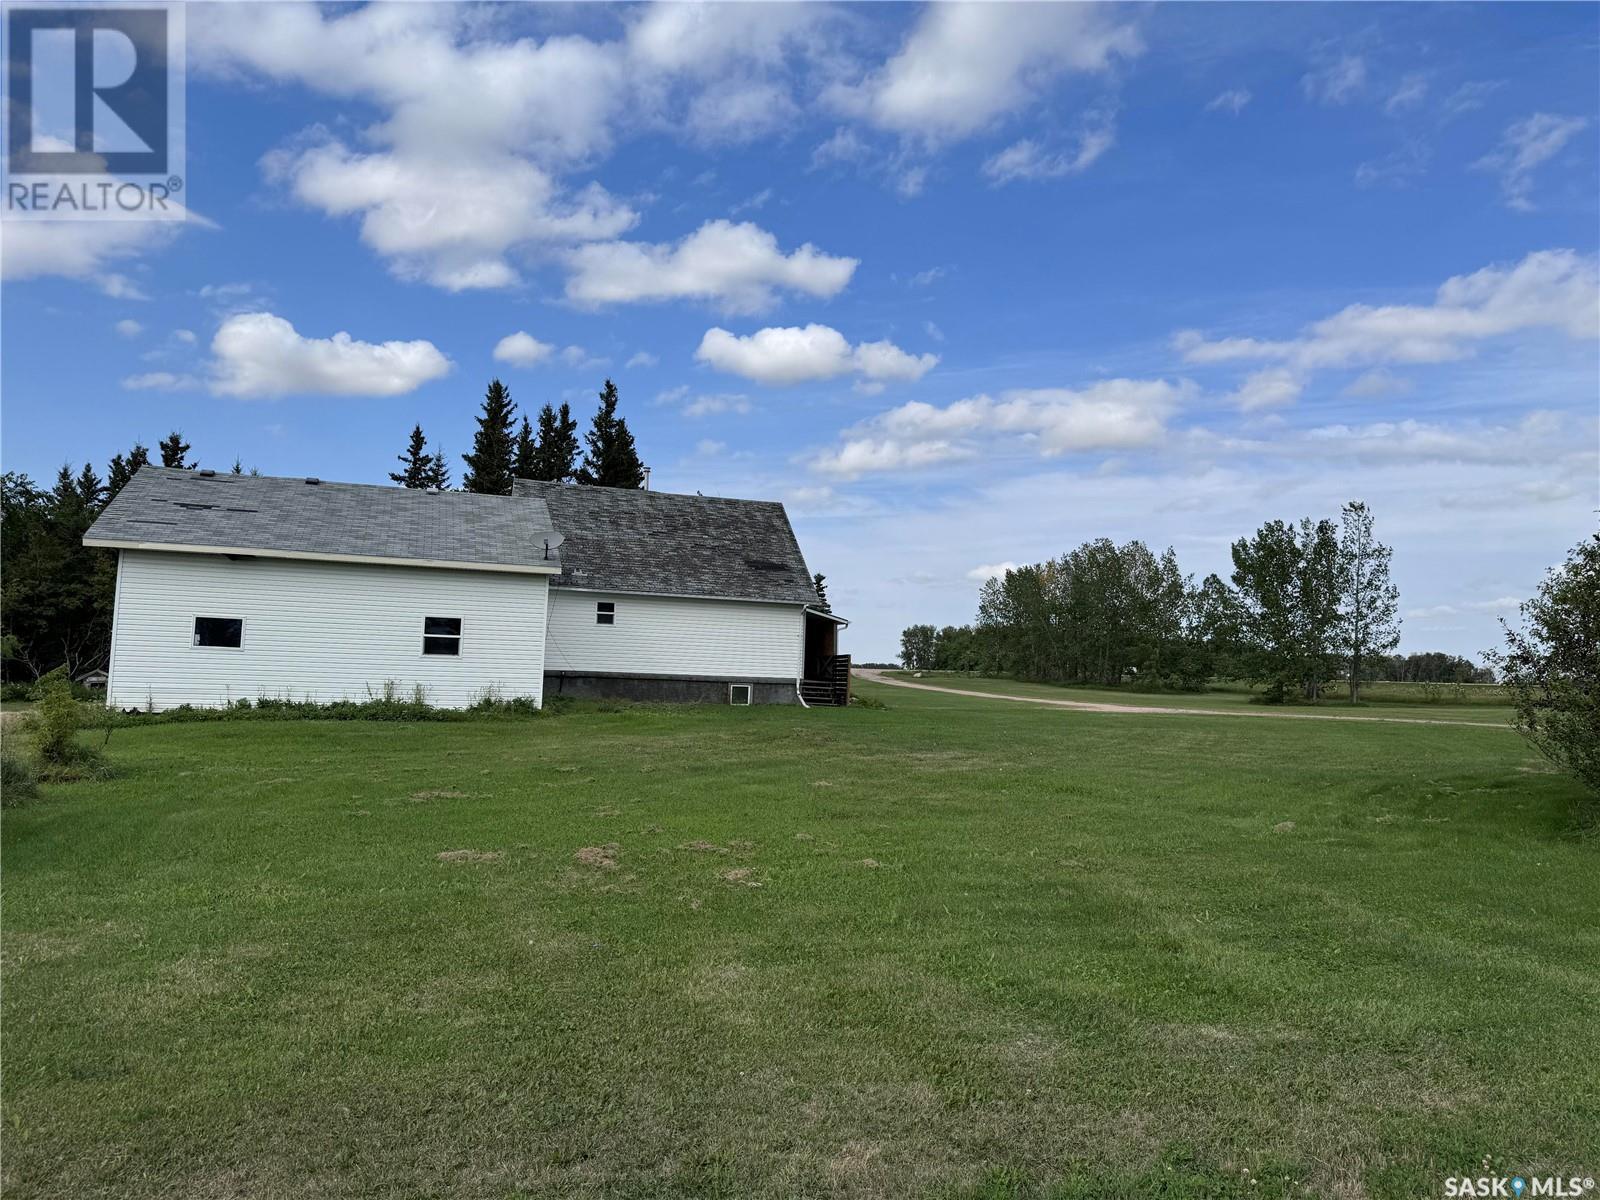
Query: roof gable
[[664, 543]]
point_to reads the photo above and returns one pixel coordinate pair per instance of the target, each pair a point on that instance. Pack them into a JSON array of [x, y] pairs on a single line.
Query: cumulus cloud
[[522, 349], [82, 250], [1526, 145], [778, 356], [1549, 289], [259, 354], [465, 174], [1114, 414], [740, 268], [965, 65]]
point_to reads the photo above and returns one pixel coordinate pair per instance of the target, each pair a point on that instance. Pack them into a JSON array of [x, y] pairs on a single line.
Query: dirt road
[[1167, 710]]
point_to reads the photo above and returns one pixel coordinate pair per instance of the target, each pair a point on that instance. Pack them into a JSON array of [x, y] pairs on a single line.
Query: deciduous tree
[[1369, 620]]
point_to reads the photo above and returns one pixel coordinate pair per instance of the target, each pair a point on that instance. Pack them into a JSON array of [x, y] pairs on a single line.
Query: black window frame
[[236, 644], [605, 612], [440, 642]]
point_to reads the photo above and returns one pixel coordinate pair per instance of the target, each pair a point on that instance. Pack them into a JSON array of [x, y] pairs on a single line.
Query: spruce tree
[[555, 456], [438, 474], [493, 446], [522, 456], [612, 460], [173, 450], [418, 463], [121, 469], [90, 490], [819, 582]]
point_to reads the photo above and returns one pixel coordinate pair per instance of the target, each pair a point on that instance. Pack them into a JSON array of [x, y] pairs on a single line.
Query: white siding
[[670, 635], [319, 631]]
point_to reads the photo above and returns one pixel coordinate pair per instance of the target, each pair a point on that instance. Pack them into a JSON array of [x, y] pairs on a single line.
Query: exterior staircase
[[831, 691]]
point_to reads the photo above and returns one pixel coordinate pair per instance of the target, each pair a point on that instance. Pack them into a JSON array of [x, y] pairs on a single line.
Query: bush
[[18, 784], [56, 721], [1552, 667], [385, 705]]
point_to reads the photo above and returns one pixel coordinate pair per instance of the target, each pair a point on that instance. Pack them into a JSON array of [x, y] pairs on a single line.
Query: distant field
[[951, 948], [1473, 707]]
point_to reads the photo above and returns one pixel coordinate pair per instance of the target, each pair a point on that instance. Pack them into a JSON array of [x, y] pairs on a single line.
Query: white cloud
[[1526, 145], [777, 356], [129, 328], [1413, 88], [740, 268], [120, 287], [1549, 289], [643, 358], [988, 571], [186, 336], [522, 349], [1231, 101], [718, 405], [80, 249], [259, 354], [160, 381], [1274, 387], [845, 146], [1114, 414], [1027, 159], [1336, 82], [965, 65], [1370, 384], [450, 223], [1399, 168]]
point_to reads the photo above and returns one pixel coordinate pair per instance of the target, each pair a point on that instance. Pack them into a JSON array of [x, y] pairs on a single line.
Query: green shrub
[[18, 784], [56, 721]]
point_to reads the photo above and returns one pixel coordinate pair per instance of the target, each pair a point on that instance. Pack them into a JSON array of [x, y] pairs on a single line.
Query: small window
[[738, 693], [223, 633], [605, 613], [441, 635]]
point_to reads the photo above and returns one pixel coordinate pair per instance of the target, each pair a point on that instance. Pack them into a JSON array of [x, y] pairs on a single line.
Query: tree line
[[1306, 603], [502, 450], [56, 593]]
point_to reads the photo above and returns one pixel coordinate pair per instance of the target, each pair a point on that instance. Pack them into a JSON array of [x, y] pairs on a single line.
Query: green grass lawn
[[951, 948], [1222, 699]]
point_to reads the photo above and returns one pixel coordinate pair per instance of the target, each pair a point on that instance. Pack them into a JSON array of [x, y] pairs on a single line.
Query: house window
[[441, 635], [605, 613], [223, 633], [738, 693]]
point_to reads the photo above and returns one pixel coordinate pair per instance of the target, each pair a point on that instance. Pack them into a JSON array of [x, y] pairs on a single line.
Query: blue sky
[[963, 286]]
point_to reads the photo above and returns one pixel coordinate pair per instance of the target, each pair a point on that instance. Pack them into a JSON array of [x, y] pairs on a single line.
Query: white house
[[237, 587]]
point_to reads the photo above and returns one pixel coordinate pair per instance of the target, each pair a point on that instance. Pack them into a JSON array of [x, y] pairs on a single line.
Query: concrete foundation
[[665, 689]]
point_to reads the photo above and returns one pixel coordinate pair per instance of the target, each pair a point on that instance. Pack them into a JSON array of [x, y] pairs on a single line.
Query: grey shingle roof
[[161, 507], [662, 543]]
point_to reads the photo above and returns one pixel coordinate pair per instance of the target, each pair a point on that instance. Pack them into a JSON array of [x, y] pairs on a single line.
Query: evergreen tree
[[555, 455], [438, 475], [612, 460], [819, 581], [493, 446], [173, 449], [421, 468], [90, 490], [238, 465], [525, 451], [122, 469], [1369, 624]]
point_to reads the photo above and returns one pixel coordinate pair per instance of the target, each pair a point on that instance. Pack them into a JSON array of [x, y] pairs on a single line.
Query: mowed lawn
[[952, 948]]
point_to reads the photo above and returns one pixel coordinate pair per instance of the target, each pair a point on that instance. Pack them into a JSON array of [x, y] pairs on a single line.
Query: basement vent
[[739, 693]]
